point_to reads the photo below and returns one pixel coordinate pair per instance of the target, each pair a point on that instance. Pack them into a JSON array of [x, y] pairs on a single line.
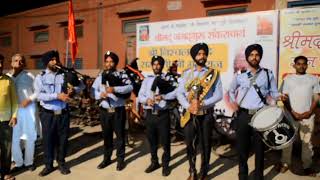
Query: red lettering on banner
[[296, 40]]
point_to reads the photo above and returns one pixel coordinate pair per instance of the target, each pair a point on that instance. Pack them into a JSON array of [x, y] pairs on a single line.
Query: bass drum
[[275, 126]]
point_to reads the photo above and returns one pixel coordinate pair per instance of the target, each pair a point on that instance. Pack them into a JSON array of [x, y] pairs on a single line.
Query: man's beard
[[53, 68], [201, 62], [254, 65], [157, 71]]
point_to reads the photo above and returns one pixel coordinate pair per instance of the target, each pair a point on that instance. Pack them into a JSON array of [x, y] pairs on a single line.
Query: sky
[[8, 7]]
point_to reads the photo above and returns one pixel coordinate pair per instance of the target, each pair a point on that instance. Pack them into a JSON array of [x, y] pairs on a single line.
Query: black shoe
[[120, 166], [104, 164], [64, 170], [46, 171], [16, 169], [165, 171], [310, 172], [203, 175], [193, 176], [153, 166], [31, 167]]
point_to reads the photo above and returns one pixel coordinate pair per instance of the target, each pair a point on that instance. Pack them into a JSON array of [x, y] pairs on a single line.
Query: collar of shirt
[[154, 75], [189, 73], [250, 74], [10, 74], [48, 71], [204, 68]]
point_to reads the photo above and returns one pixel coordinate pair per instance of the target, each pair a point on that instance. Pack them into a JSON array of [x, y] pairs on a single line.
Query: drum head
[[266, 117]]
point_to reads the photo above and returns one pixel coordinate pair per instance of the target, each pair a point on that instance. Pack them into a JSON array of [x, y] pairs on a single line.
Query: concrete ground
[[85, 153]]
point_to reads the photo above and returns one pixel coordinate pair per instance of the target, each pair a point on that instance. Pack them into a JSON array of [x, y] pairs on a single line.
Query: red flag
[[72, 33]]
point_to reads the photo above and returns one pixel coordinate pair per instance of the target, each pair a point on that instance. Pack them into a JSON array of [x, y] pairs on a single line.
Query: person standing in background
[[8, 119], [26, 128]]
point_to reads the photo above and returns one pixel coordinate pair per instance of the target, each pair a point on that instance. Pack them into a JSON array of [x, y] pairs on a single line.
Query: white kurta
[[26, 126]]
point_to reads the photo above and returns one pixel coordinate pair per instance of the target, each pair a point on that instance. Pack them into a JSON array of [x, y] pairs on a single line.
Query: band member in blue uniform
[[253, 87], [112, 87], [199, 90], [53, 93], [154, 94]]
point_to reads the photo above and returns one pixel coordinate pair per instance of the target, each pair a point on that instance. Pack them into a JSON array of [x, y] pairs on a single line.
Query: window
[[79, 32], [304, 3], [5, 40], [77, 64], [129, 26], [233, 10], [41, 36]]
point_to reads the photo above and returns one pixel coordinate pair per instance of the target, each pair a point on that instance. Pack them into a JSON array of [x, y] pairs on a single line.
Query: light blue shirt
[[112, 101], [47, 86], [213, 96], [241, 84], [145, 93]]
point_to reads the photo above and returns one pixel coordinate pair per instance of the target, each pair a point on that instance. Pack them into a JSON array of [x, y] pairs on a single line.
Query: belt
[[56, 112], [204, 112], [249, 111], [110, 110], [156, 112]]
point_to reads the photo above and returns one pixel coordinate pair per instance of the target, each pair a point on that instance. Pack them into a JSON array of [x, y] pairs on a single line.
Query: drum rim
[[272, 126], [282, 146]]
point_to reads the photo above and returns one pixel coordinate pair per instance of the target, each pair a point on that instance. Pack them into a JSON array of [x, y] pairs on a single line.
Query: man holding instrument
[[302, 94], [112, 88], [53, 93], [199, 90], [249, 92], [154, 95]]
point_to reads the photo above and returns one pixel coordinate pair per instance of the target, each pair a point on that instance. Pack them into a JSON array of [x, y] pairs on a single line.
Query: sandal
[[284, 168], [9, 177]]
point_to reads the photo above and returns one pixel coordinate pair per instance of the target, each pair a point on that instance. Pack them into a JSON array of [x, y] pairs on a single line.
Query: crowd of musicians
[[197, 90]]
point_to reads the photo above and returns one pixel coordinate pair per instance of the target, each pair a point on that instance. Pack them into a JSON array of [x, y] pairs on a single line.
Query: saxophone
[[198, 89]]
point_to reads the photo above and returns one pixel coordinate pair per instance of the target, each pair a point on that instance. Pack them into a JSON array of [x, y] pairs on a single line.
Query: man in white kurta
[[26, 128]]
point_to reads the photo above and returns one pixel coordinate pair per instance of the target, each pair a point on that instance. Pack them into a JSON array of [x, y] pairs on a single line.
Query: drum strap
[[263, 99], [252, 81], [257, 89]]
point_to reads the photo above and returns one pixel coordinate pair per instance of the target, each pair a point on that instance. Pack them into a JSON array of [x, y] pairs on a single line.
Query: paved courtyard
[[85, 153]]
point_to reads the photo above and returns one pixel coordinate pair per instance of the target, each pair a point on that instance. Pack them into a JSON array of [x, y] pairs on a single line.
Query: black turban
[[197, 47], [113, 56], [252, 47], [46, 57], [159, 59]]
